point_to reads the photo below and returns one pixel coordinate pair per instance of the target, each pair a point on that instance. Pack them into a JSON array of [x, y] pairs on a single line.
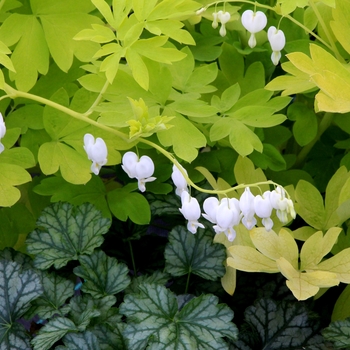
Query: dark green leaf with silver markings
[[103, 275], [53, 331], [187, 253], [16, 338], [284, 325], [110, 338], [339, 333], [158, 277], [154, 320], [79, 341], [66, 232], [56, 291]]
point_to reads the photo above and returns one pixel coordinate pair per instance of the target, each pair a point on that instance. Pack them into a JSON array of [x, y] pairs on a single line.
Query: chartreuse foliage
[[156, 78]]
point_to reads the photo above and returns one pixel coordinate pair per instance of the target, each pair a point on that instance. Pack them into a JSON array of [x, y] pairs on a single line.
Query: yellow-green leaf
[[229, 280], [338, 264], [305, 284], [341, 25], [250, 260], [317, 246], [275, 246], [11, 175]]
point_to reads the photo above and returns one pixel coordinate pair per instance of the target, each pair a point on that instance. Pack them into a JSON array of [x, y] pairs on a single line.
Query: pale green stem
[[12, 93], [324, 124], [187, 282], [325, 29], [98, 99]]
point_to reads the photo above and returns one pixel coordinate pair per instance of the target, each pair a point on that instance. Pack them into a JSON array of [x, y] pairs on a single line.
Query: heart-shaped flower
[[2, 132], [277, 41], [254, 22], [96, 152], [142, 169]]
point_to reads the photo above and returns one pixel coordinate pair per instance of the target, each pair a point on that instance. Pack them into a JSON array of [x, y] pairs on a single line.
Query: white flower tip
[[200, 11]]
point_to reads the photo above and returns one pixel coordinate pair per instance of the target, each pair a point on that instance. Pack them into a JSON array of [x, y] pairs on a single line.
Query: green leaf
[[56, 291], [154, 320], [340, 25], [305, 119], [310, 204], [111, 338], [157, 277], [53, 331], [184, 137], [78, 341], [65, 232], [103, 275], [18, 287], [341, 309], [339, 333], [125, 204], [330, 75], [294, 329], [187, 253], [93, 192], [242, 138], [11, 175]]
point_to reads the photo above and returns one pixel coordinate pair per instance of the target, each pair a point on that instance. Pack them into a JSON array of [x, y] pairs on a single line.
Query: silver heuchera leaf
[[66, 232]]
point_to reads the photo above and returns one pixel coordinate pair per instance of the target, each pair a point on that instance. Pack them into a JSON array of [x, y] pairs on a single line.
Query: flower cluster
[[229, 212], [96, 152], [254, 22], [225, 214]]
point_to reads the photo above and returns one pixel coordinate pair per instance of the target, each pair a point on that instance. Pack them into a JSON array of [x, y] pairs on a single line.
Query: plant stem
[[188, 282], [12, 93], [98, 99], [325, 29], [132, 258], [324, 125]]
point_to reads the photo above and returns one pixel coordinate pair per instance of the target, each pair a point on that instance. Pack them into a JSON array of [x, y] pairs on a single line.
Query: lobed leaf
[[65, 233], [186, 253], [103, 275], [154, 319]]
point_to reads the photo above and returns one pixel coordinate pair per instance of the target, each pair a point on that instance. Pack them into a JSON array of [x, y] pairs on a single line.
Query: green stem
[[13, 93], [98, 99], [187, 282], [324, 125], [132, 258], [325, 29]]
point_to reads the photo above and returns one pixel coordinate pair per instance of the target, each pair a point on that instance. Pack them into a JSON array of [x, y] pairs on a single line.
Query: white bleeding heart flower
[[179, 180], [254, 22], [191, 211], [210, 206], [96, 152], [142, 169], [215, 23], [277, 42], [224, 17], [246, 204], [263, 209], [2, 132]]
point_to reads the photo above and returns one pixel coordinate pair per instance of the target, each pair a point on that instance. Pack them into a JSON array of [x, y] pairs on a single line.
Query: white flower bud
[[200, 11], [179, 180], [210, 207], [246, 203], [96, 152], [215, 23]]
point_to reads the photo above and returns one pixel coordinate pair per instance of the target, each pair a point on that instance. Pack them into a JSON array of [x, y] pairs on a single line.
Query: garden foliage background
[[87, 261]]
